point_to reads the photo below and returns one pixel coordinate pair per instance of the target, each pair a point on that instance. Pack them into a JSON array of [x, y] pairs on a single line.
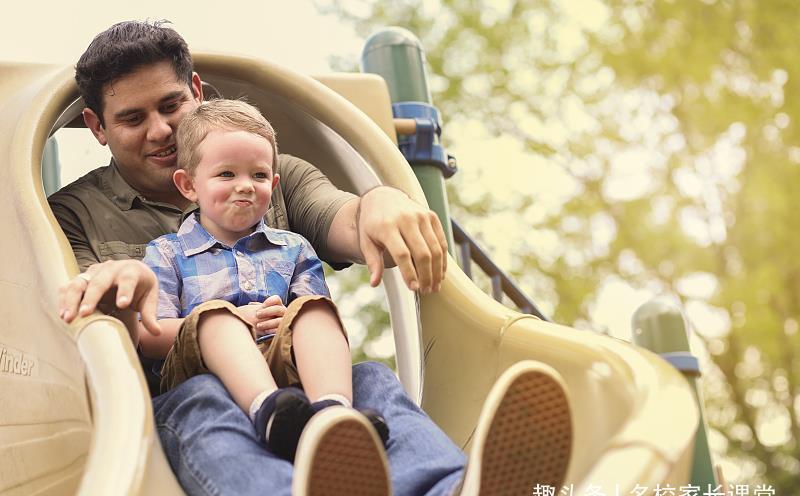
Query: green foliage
[[672, 125], [365, 314]]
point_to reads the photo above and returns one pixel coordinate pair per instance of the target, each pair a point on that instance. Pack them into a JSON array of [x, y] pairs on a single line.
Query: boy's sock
[[327, 400], [257, 402], [281, 418], [375, 418]]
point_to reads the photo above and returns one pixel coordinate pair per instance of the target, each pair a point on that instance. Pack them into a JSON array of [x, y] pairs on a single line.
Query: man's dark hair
[[122, 49]]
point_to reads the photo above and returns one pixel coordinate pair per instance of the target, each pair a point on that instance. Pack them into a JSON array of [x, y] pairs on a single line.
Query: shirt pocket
[[278, 274], [119, 250]]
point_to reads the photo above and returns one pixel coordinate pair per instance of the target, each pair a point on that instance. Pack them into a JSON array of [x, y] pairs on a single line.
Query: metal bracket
[[683, 361], [423, 147]]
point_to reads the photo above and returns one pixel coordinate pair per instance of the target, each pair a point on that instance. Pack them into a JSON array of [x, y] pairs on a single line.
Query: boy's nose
[[244, 185]]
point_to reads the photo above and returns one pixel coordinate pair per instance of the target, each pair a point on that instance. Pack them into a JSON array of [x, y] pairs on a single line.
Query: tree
[[668, 130]]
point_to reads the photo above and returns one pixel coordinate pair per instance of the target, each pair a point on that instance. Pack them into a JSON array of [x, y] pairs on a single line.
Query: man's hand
[[390, 223], [266, 317], [126, 285]]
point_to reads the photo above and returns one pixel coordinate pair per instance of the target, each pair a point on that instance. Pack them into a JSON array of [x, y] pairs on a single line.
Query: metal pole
[[660, 327], [51, 167], [397, 55]]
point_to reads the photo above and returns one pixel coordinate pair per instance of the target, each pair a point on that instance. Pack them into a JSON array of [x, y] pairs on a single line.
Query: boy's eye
[[226, 174], [260, 175]]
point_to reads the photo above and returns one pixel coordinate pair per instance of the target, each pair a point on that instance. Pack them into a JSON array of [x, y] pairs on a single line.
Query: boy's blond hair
[[215, 115]]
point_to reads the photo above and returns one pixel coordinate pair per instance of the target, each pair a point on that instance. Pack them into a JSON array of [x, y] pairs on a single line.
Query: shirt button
[[248, 286]]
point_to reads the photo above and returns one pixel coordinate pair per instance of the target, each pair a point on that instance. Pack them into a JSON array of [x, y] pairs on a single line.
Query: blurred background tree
[[612, 151]]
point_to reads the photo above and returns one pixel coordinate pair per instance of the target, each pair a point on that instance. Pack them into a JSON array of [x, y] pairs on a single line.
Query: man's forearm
[[343, 234]]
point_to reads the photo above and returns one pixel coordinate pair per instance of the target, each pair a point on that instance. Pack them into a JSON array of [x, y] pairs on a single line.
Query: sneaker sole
[[340, 454], [526, 429]]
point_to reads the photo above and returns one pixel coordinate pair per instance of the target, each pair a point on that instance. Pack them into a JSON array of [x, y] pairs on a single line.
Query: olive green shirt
[[104, 218]]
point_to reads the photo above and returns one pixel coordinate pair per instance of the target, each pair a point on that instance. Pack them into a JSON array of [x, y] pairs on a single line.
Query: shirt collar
[[271, 234], [123, 194], [195, 239], [117, 189]]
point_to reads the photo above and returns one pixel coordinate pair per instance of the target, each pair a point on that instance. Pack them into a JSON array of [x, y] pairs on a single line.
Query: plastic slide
[[75, 416]]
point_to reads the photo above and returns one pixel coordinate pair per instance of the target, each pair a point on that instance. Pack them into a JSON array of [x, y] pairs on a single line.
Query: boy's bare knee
[[219, 320]]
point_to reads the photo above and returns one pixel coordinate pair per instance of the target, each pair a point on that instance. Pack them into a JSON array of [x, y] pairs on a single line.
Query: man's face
[[232, 183], [142, 111]]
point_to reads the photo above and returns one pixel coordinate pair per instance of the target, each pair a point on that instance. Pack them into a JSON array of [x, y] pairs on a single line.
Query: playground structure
[[76, 416]]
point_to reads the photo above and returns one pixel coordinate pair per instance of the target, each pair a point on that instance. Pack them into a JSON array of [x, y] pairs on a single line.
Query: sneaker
[[340, 454], [375, 418], [524, 434], [378, 423], [281, 419]]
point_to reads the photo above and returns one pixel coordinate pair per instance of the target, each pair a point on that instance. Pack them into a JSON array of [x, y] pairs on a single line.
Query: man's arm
[[385, 227], [385, 224], [76, 235]]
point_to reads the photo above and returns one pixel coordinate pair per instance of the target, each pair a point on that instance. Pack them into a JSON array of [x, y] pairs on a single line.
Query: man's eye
[[132, 120], [170, 107]]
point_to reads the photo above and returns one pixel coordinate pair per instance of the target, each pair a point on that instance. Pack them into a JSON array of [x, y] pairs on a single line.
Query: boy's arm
[[160, 258]]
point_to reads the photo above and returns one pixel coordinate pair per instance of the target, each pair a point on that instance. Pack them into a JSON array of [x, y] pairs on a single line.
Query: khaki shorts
[[184, 359]]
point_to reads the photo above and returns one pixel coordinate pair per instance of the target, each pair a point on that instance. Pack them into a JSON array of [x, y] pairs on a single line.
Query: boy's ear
[[185, 184], [92, 121], [275, 180]]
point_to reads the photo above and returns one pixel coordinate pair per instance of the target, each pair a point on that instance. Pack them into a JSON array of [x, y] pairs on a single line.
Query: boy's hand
[[116, 286], [269, 315], [248, 312], [265, 316]]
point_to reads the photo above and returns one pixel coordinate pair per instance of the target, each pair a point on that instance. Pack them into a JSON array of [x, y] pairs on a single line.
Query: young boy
[[224, 266]]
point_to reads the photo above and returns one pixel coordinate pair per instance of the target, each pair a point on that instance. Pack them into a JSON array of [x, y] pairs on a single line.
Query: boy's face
[[232, 183], [141, 111]]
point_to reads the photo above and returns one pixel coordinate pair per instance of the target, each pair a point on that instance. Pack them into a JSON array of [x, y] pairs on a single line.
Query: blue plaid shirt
[[192, 267]]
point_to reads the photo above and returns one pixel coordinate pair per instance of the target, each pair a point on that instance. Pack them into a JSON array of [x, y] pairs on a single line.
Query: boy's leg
[[312, 341], [321, 351], [214, 338], [229, 352]]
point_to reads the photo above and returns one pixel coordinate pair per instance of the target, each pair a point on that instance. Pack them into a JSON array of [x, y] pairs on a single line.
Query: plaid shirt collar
[[194, 238]]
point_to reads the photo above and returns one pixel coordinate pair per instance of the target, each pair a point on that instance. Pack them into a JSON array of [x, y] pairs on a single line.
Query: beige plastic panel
[[77, 416], [369, 93]]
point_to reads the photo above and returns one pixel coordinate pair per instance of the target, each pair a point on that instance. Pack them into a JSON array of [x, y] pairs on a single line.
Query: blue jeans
[[212, 447]]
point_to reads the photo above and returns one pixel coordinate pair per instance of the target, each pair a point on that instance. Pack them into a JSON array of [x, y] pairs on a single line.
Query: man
[[137, 81]]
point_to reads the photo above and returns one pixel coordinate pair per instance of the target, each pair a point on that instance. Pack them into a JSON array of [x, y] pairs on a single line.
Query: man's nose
[[160, 128]]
